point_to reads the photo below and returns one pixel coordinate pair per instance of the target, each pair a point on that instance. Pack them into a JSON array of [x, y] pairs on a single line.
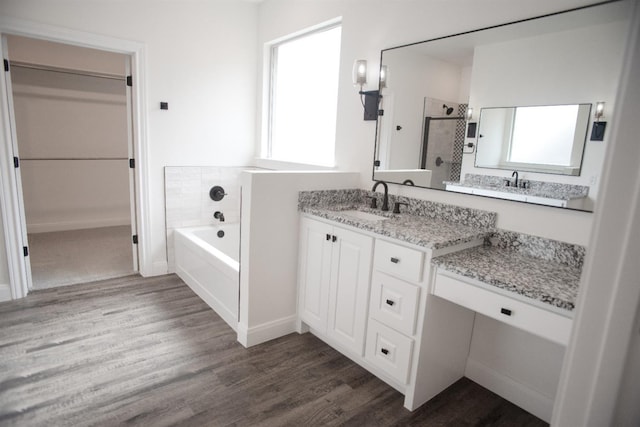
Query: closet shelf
[[74, 158]]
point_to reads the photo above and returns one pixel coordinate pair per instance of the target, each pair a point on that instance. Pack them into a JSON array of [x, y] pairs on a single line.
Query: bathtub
[[209, 264]]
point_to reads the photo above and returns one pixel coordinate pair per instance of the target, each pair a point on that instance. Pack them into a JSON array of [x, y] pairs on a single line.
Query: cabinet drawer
[[398, 261], [394, 302], [389, 350], [538, 321]]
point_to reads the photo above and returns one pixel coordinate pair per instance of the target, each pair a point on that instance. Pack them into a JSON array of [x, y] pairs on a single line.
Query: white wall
[[270, 223], [592, 78], [200, 58]]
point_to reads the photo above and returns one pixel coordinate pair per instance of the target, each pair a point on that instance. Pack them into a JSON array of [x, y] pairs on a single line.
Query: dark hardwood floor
[[150, 352]]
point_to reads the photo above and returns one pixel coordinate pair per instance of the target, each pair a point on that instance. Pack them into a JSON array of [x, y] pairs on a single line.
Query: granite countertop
[[558, 193], [431, 233], [544, 281]]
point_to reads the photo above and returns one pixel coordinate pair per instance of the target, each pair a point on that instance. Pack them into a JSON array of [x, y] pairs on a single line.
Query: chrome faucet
[[385, 200], [219, 216], [515, 173]]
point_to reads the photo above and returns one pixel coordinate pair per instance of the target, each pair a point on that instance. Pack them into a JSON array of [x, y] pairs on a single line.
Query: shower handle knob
[[217, 193]]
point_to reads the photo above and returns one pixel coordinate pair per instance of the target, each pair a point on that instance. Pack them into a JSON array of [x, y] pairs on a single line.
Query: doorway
[[72, 114]]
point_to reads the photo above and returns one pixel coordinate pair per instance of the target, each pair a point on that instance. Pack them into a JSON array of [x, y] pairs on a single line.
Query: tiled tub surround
[[543, 270], [187, 201], [423, 223], [549, 190]]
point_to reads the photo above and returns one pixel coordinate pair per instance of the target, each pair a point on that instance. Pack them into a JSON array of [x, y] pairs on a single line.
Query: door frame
[[10, 199]]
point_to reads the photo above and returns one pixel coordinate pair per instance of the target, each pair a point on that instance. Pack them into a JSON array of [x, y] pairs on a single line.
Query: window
[[304, 98], [544, 135]]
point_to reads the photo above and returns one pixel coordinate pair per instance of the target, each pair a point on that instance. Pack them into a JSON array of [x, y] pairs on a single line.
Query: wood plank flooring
[[149, 352]]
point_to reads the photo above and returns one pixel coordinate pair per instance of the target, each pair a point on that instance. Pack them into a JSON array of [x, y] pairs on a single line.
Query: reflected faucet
[[385, 200], [515, 173]]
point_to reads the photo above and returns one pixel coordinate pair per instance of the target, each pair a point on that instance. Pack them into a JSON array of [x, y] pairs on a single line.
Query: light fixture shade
[[384, 76], [360, 72], [599, 110], [469, 113]]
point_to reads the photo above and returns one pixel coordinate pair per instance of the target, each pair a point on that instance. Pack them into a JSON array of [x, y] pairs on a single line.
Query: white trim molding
[[9, 199], [531, 400], [254, 335]]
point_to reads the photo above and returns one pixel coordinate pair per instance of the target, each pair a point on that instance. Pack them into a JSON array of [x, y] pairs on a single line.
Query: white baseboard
[[5, 292], [77, 224], [267, 331], [160, 268], [527, 398]]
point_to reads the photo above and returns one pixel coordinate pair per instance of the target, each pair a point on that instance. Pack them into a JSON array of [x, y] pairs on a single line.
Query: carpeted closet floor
[[77, 256]]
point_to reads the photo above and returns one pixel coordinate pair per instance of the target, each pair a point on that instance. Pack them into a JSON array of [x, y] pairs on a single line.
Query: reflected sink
[[363, 215]]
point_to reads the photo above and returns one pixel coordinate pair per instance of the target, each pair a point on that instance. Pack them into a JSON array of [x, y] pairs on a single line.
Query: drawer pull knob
[[384, 351], [328, 236], [395, 260], [334, 238], [505, 311], [390, 302]]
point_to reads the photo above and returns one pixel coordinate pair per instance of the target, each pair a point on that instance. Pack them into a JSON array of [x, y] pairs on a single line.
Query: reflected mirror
[[547, 138], [512, 84]]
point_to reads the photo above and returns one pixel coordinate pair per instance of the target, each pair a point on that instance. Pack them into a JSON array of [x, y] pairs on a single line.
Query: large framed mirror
[[506, 111]]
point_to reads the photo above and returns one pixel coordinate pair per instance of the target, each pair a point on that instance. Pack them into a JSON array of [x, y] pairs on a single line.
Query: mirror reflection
[[441, 94], [548, 138]]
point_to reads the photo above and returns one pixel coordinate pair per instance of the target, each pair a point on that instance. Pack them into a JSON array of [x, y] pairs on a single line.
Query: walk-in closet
[[75, 157]]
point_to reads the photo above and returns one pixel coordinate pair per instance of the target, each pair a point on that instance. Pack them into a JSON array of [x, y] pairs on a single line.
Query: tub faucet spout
[[219, 216]]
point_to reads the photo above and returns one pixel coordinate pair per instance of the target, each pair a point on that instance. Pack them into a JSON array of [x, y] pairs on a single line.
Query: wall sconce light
[[597, 131], [384, 76], [360, 72], [599, 111], [369, 99]]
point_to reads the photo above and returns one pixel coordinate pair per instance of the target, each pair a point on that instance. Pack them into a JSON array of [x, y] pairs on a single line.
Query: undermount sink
[[363, 215]]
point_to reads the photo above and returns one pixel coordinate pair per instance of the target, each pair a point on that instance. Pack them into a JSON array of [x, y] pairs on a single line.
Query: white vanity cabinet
[[334, 273], [393, 308], [367, 296]]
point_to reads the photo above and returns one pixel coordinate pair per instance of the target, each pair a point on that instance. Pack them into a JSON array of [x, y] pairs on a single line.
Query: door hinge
[[6, 65], [376, 163], [129, 80], [381, 112], [132, 163], [25, 251], [135, 239], [16, 162]]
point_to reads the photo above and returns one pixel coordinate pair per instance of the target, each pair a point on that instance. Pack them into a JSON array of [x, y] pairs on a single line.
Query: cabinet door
[[314, 273], [349, 288]]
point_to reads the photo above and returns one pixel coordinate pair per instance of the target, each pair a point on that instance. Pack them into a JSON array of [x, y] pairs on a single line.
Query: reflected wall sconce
[[597, 131], [384, 76], [369, 99]]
